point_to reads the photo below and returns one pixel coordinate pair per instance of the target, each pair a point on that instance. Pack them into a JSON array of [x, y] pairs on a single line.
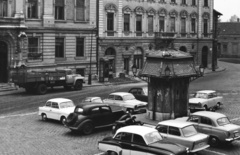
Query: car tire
[[71, 119], [130, 110], [205, 108], [78, 85], [42, 89], [87, 128], [218, 105], [111, 153], [44, 117], [63, 120], [213, 141]]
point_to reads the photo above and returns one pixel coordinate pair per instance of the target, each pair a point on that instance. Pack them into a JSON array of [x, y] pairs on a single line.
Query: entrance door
[[3, 62], [126, 65], [205, 57]]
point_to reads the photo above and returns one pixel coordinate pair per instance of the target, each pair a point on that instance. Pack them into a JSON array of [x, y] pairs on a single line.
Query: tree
[[234, 18]]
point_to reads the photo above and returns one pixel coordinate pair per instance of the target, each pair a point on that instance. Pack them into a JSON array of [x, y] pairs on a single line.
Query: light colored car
[[205, 100], [183, 133], [94, 99], [127, 101], [216, 125], [57, 109], [139, 140]]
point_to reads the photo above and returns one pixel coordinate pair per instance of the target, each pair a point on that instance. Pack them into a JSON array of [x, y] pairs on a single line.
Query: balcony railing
[[165, 34], [35, 56]]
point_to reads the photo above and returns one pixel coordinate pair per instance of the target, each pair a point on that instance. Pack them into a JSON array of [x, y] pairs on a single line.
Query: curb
[[221, 70]]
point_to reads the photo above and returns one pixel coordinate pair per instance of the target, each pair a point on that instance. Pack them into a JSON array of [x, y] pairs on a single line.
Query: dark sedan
[[140, 93]]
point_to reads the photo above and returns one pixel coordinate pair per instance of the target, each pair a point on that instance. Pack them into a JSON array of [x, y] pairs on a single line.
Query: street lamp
[[167, 71], [134, 70], [201, 70], [90, 70]]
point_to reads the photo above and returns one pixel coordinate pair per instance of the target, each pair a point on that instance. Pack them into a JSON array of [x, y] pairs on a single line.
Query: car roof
[[175, 123], [92, 97], [206, 91], [58, 100], [136, 129], [120, 93], [214, 115]]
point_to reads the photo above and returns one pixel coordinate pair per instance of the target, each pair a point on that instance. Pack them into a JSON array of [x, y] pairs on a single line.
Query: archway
[[205, 56], [3, 62], [183, 48]]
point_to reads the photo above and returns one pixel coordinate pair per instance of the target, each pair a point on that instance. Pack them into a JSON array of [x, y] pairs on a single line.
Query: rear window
[[189, 131], [78, 110], [67, 104]]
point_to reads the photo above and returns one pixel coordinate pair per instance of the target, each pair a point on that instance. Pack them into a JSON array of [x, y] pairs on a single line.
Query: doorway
[[3, 62], [205, 56]]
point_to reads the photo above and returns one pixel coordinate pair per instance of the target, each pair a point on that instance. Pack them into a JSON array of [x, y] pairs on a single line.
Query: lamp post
[[201, 70], [90, 69], [134, 70], [167, 71]]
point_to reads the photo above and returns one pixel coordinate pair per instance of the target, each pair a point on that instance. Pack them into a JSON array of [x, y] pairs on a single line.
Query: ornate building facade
[[47, 35], [129, 29]]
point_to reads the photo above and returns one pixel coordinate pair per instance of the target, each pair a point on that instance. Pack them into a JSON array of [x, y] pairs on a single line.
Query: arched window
[[111, 10], [194, 17], [138, 58], [127, 11], [206, 17], [173, 16], [162, 15], [139, 11]]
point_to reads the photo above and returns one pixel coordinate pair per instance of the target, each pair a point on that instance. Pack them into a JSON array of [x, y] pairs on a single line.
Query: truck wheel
[[78, 85], [42, 89], [87, 128]]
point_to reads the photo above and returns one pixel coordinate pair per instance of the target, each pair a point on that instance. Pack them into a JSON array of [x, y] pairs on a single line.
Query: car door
[[134, 91], [55, 111], [106, 115], [138, 146], [48, 109], [205, 125], [118, 100], [97, 117], [210, 101], [126, 143], [174, 135], [163, 130]]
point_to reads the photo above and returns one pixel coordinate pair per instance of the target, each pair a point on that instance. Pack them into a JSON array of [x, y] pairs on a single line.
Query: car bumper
[[232, 139], [199, 149], [139, 111]]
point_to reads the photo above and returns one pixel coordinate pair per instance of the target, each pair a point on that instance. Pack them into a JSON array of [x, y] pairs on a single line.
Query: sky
[[228, 8]]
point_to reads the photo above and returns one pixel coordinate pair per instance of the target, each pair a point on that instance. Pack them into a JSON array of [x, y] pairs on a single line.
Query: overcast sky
[[228, 8]]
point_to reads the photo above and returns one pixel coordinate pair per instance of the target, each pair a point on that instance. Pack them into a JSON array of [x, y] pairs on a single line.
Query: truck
[[39, 81]]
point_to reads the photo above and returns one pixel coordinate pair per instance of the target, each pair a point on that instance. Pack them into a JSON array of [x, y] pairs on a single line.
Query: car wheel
[[205, 108], [130, 111], [44, 117], [111, 153], [71, 119], [218, 105], [87, 128], [78, 85], [213, 141], [42, 89], [63, 120]]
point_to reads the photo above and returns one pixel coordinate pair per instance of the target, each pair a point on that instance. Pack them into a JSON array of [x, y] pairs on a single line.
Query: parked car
[[136, 140], [205, 100], [126, 100], [140, 93], [183, 133], [94, 99], [216, 125], [86, 117], [57, 109]]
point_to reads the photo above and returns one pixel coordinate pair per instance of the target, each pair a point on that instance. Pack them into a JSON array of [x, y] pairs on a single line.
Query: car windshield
[[223, 121], [66, 104], [153, 137], [201, 95], [145, 90], [128, 97], [189, 131]]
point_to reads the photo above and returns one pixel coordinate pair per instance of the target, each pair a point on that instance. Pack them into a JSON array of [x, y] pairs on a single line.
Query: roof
[[175, 123], [59, 100], [136, 129], [206, 91], [214, 115], [229, 28], [120, 93]]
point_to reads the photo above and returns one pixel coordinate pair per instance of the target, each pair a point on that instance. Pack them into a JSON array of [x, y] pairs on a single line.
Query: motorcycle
[[125, 121]]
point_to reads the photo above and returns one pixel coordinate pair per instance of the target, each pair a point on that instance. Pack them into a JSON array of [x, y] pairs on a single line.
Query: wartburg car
[[139, 140], [205, 100], [216, 125], [127, 101], [183, 133], [57, 109]]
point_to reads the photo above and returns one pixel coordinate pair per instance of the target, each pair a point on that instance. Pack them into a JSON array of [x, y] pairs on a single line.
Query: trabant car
[[183, 133], [126, 100], [205, 100], [57, 109], [139, 140], [216, 125]]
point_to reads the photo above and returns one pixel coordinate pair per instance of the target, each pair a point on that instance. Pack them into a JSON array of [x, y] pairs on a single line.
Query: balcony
[[35, 56], [165, 34]]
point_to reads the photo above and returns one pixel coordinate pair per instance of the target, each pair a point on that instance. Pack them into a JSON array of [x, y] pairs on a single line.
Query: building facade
[[129, 29], [47, 35], [228, 39]]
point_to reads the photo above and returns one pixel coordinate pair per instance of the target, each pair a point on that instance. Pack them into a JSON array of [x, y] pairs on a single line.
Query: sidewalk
[[97, 83]]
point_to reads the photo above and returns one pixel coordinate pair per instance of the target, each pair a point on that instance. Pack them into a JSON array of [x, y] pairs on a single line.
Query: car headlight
[[227, 134], [187, 149]]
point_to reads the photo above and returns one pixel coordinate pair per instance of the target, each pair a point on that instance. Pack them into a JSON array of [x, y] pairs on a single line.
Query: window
[[80, 10], [162, 128], [193, 25], [205, 27], [3, 8], [80, 71], [95, 111], [205, 120], [104, 109], [183, 25], [161, 24], [139, 23], [193, 119], [183, 1], [48, 104], [225, 48], [80, 47], [55, 105], [127, 137], [111, 97], [110, 21], [126, 22], [150, 23], [206, 3], [32, 9], [119, 98], [138, 61], [172, 24], [59, 47], [59, 9], [138, 139], [33, 45], [174, 131], [193, 2]]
